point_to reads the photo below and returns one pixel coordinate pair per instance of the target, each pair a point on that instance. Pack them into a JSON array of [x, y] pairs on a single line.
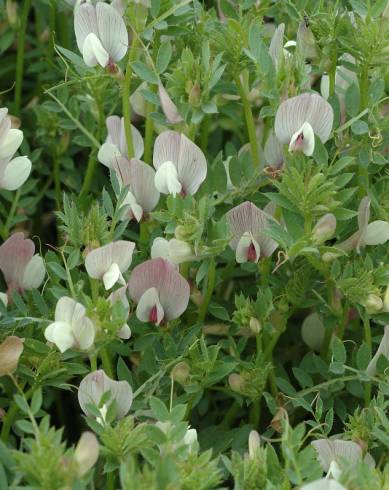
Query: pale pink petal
[[84, 333], [329, 450], [15, 254], [187, 157], [173, 289], [274, 152], [95, 384], [248, 218], [114, 128], [307, 107], [112, 31], [168, 106], [139, 177], [34, 273], [277, 46], [85, 22], [99, 260]]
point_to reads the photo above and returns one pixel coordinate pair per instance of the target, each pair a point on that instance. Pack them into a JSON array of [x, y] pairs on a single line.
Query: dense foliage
[[194, 220]]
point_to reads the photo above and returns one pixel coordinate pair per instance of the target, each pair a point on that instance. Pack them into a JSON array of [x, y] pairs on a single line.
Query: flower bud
[[194, 95], [373, 303], [330, 256], [324, 229], [86, 453], [254, 443], [276, 421], [181, 372], [255, 325], [306, 41], [236, 382], [386, 300], [10, 351]]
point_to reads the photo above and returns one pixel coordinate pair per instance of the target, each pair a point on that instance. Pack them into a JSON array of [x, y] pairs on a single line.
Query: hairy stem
[[208, 290]]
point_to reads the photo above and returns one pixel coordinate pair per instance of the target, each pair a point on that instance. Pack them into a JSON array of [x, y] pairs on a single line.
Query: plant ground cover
[[194, 222]]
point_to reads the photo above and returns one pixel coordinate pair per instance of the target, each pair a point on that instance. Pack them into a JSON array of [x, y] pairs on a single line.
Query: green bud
[[236, 382], [255, 325], [181, 372]]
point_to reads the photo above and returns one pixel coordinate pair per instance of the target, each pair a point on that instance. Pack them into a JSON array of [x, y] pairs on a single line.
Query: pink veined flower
[[22, 269], [138, 177], [180, 164], [161, 293], [168, 106], [115, 145], [300, 118], [247, 224], [101, 34], [276, 48], [374, 233], [13, 171], [274, 152], [93, 387], [109, 262]]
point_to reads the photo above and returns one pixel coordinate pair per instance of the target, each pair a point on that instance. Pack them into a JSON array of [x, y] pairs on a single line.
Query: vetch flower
[[300, 118], [375, 233], [138, 177], [101, 34], [10, 351], [324, 229], [340, 452], [175, 251], [71, 327], [86, 453], [22, 269], [247, 224], [161, 293], [180, 164], [110, 262], [168, 106], [13, 171], [95, 385], [121, 295], [115, 145], [324, 484], [276, 48], [383, 350], [254, 443]]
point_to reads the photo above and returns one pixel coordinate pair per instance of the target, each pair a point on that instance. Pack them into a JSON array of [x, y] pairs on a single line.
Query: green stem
[[90, 170], [20, 55], [230, 415], [149, 130], [14, 205], [106, 361], [208, 290], [126, 107], [57, 179], [367, 329], [111, 480], [249, 122], [364, 86], [332, 75]]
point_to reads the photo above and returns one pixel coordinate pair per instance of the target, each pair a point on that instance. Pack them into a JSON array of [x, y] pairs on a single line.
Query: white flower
[[101, 34], [86, 453], [110, 262], [383, 350], [175, 251], [13, 171], [323, 484], [71, 328]]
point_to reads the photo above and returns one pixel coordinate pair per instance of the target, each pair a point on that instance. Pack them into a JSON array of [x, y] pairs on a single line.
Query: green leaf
[[58, 270], [21, 402], [159, 409], [352, 99], [341, 164], [363, 357], [36, 401], [320, 154], [302, 377], [144, 72], [219, 311], [359, 127], [163, 57], [338, 350]]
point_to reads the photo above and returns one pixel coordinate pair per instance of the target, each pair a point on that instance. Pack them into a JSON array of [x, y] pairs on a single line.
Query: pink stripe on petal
[[99, 260], [113, 124], [173, 289], [15, 254]]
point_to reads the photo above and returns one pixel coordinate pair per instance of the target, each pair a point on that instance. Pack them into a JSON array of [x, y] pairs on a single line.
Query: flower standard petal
[[377, 233], [15, 254], [276, 46], [84, 333], [10, 351], [16, 173], [329, 450], [383, 350], [85, 22], [93, 51], [246, 217], [324, 484], [112, 31], [173, 289], [99, 260], [111, 276]]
